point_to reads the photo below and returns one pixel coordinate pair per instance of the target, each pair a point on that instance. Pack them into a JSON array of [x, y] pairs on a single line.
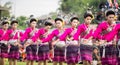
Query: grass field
[[24, 63]]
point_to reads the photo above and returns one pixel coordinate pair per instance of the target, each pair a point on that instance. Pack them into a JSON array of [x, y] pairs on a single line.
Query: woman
[[4, 38], [29, 45], [58, 40], [105, 32], [14, 42], [42, 45], [72, 52], [85, 32]]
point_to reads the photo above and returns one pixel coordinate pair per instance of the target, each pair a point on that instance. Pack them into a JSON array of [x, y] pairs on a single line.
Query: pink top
[[4, 35], [29, 33], [83, 31], [15, 34], [57, 34], [118, 31], [70, 32], [105, 32], [42, 33]]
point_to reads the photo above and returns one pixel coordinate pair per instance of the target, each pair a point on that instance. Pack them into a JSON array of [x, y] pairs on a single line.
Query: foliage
[[79, 7], [7, 6], [22, 21]]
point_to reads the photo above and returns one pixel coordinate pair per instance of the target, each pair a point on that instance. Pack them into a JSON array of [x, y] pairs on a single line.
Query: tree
[[22, 21], [79, 7], [7, 7]]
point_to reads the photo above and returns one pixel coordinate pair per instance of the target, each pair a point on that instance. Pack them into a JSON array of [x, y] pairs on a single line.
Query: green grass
[[24, 63]]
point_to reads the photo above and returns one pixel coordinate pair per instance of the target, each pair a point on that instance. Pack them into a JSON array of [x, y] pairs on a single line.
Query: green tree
[[22, 21], [7, 7], [79, 7]]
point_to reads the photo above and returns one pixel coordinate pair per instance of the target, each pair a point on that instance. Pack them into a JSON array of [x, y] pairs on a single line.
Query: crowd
[[93, 45]]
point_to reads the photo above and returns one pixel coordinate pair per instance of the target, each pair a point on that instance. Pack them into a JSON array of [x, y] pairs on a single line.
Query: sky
[[32, 7]]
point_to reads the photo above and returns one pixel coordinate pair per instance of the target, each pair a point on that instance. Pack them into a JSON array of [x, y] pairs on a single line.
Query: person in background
[[96, 56]]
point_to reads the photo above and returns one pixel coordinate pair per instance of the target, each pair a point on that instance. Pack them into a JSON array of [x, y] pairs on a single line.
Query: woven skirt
[[4, 50], [43, 52], [72, 54], [86, 52], [14, 52], [59, 52], [118, 54], [110, 54], [31, 52]]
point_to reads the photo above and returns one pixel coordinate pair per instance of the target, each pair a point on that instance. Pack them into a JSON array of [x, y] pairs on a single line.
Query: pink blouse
[[4, 35], [41, 34], [15, 34], [57, 34], [104, 31], [29, 33], [83, 31]]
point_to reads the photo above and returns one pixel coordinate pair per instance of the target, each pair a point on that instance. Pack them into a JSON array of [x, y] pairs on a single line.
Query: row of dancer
[[69, 44]]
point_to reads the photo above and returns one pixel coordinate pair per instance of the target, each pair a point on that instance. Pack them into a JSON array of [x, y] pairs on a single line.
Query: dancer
[[72, 50], [29, 45], [42, 46], [4, 38], [104, 33], [85, 31], [14, 42]]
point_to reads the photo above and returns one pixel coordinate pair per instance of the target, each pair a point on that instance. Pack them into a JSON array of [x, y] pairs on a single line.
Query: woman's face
[[33, 24], [5, 26], [88, 20], [59, 24], [48, 27], [74, 23], [14, 26], [95, 51], [110, 18]]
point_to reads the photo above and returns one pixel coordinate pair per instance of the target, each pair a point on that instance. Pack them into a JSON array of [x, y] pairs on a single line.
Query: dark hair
[[14, 21], [94, 47], [88, 15], [33, 19], [48, 23], [5, 22], [58, 19], [110, 12], [74, 18]]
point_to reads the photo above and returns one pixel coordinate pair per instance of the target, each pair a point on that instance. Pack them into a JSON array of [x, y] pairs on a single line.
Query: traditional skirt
[[3, 50], [31, 52], [118, 54], [118, 59], [43, 52], [72, 54], [86, 52], [59, 53], [108, 54], [14, 52]]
